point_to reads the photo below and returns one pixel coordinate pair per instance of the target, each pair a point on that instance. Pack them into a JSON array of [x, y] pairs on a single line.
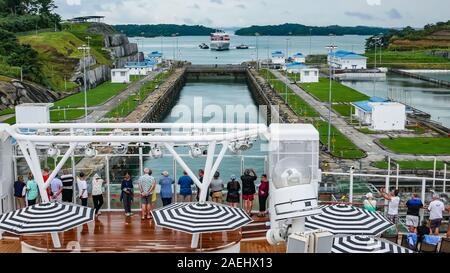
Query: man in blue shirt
[[166, 188], [56, 187], [185, 183], [412, 215]]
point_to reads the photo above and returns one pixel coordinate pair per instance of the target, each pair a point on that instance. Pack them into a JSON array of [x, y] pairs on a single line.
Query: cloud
[[241, 6], [360, 15], [195, 6], [73, 2], [373, 2], [394, 14], [216, 2]]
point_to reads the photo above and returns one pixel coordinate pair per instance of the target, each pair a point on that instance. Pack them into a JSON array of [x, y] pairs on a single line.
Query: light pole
[[85, 48], [88, 38], [257, 51], [287, 77], [331, 49], [375, 66]]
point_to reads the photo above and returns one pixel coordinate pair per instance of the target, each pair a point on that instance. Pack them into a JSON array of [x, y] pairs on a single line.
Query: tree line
[[164, 30], [20, 16]]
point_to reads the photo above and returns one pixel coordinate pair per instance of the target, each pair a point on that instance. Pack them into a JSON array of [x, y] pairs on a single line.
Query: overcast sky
[[238, 13]]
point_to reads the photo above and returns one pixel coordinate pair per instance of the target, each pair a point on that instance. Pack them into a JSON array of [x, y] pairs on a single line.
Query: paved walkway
[[364, 141], [5, 117], [98, 112]]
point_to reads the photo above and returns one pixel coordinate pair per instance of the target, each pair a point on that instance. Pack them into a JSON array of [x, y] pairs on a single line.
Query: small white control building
[[120, 75], [33, 113], [381, 114], [306, 74], [278, 58], [141, 68], [299, 58], [156, 56], [347, 60]]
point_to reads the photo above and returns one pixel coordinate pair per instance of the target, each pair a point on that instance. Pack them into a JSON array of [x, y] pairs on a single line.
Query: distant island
[[164, 30], [302, 30]]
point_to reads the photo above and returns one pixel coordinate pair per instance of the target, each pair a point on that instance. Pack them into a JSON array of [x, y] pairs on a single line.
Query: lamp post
[[84, 48], [257, 51], [287, 77], [88, 38], [331, 49]]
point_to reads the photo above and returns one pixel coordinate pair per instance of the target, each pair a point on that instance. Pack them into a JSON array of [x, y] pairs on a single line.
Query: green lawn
[[367, 131], [132, 102], [300, 107], [96, 96], [418, 145], [7, 111], [341, 146], [417, 59], [343, 109], [340, 92], [410, 165]]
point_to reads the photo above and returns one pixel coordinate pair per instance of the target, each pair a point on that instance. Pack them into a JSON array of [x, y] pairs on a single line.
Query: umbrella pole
[[55, 239], [195, 238]]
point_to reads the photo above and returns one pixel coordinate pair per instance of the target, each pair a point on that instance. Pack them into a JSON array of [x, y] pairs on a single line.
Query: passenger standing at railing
[[32, 190], [248, 189], [263, 194], [394, 203], [166, 183], [20, 192], [126, 195], [82, 189], [436, 208], [233, 188], [185, 183], [97, 193], [370, 204], [412, 215], [146, 185], [216, 187]]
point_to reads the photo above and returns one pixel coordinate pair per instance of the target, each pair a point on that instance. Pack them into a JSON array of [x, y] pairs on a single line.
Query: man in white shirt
[[394, 203], [436, 209], [82, 189]]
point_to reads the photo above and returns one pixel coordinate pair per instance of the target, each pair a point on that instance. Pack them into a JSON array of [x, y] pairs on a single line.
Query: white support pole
[[26, 149], [183, 164], [218, 159], [55, 239], [208, 165], [424, 184], [350, 194], [396, 179], [445, 178], [1, 235], [195, 240], [108, 182], [434, 172], [61, 163], [386, 187]]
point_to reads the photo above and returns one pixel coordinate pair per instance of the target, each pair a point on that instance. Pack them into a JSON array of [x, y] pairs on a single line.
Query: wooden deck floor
[[113, 232], [10, 246]]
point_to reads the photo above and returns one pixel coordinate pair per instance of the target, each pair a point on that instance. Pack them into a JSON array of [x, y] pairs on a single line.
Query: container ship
[[220, 41]]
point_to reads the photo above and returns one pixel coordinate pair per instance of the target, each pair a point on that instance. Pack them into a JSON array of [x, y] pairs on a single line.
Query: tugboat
[[242, 46], [203, 46]]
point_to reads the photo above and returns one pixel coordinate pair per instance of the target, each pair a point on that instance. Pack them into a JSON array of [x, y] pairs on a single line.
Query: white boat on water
[[220, 41]]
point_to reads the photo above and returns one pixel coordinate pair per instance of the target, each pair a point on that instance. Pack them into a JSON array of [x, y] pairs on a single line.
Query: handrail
[[385, 176]]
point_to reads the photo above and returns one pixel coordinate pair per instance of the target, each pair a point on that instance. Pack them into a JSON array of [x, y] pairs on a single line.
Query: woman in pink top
[[263, 193]]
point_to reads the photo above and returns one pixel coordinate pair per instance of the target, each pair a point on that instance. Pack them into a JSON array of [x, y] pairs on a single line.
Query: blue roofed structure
[[343, 59], [155, 54], [145, 63], [299, 55], [277, 54]]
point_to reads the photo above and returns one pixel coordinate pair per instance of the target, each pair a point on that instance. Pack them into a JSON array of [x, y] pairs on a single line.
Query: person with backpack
[[20, 192], [233, 195]]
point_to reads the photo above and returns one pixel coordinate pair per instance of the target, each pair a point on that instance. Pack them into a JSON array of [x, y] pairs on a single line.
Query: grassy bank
[[418, 145], [298, 105], [95, 96], [418, 59], [340, 92], [132, 102], [410, 165], [59, 55]]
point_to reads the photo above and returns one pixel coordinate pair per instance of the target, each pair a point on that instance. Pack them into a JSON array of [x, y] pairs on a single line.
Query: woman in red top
[[263, 193], [46, 175]]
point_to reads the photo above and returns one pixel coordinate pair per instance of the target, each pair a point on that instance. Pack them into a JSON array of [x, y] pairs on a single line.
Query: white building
[[33, 113], [299, 58], [156, 56], [347, 60], [141, 68], [307, 74], [120, 75], [381, 114], [278, 58]]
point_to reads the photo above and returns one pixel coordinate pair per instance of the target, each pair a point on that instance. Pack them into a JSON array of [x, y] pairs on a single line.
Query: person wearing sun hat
[[166, 182], [370, 204]]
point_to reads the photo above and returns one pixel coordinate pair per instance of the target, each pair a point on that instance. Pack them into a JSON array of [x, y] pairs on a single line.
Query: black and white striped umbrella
[[365, 244], [45, 218], [345, 219], [200, 218]]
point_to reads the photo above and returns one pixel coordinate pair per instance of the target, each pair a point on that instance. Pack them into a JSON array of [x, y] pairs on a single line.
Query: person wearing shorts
[[412, 215], [436, 209], [146, 185], [394, 203], [248, 189], [185, 183]]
